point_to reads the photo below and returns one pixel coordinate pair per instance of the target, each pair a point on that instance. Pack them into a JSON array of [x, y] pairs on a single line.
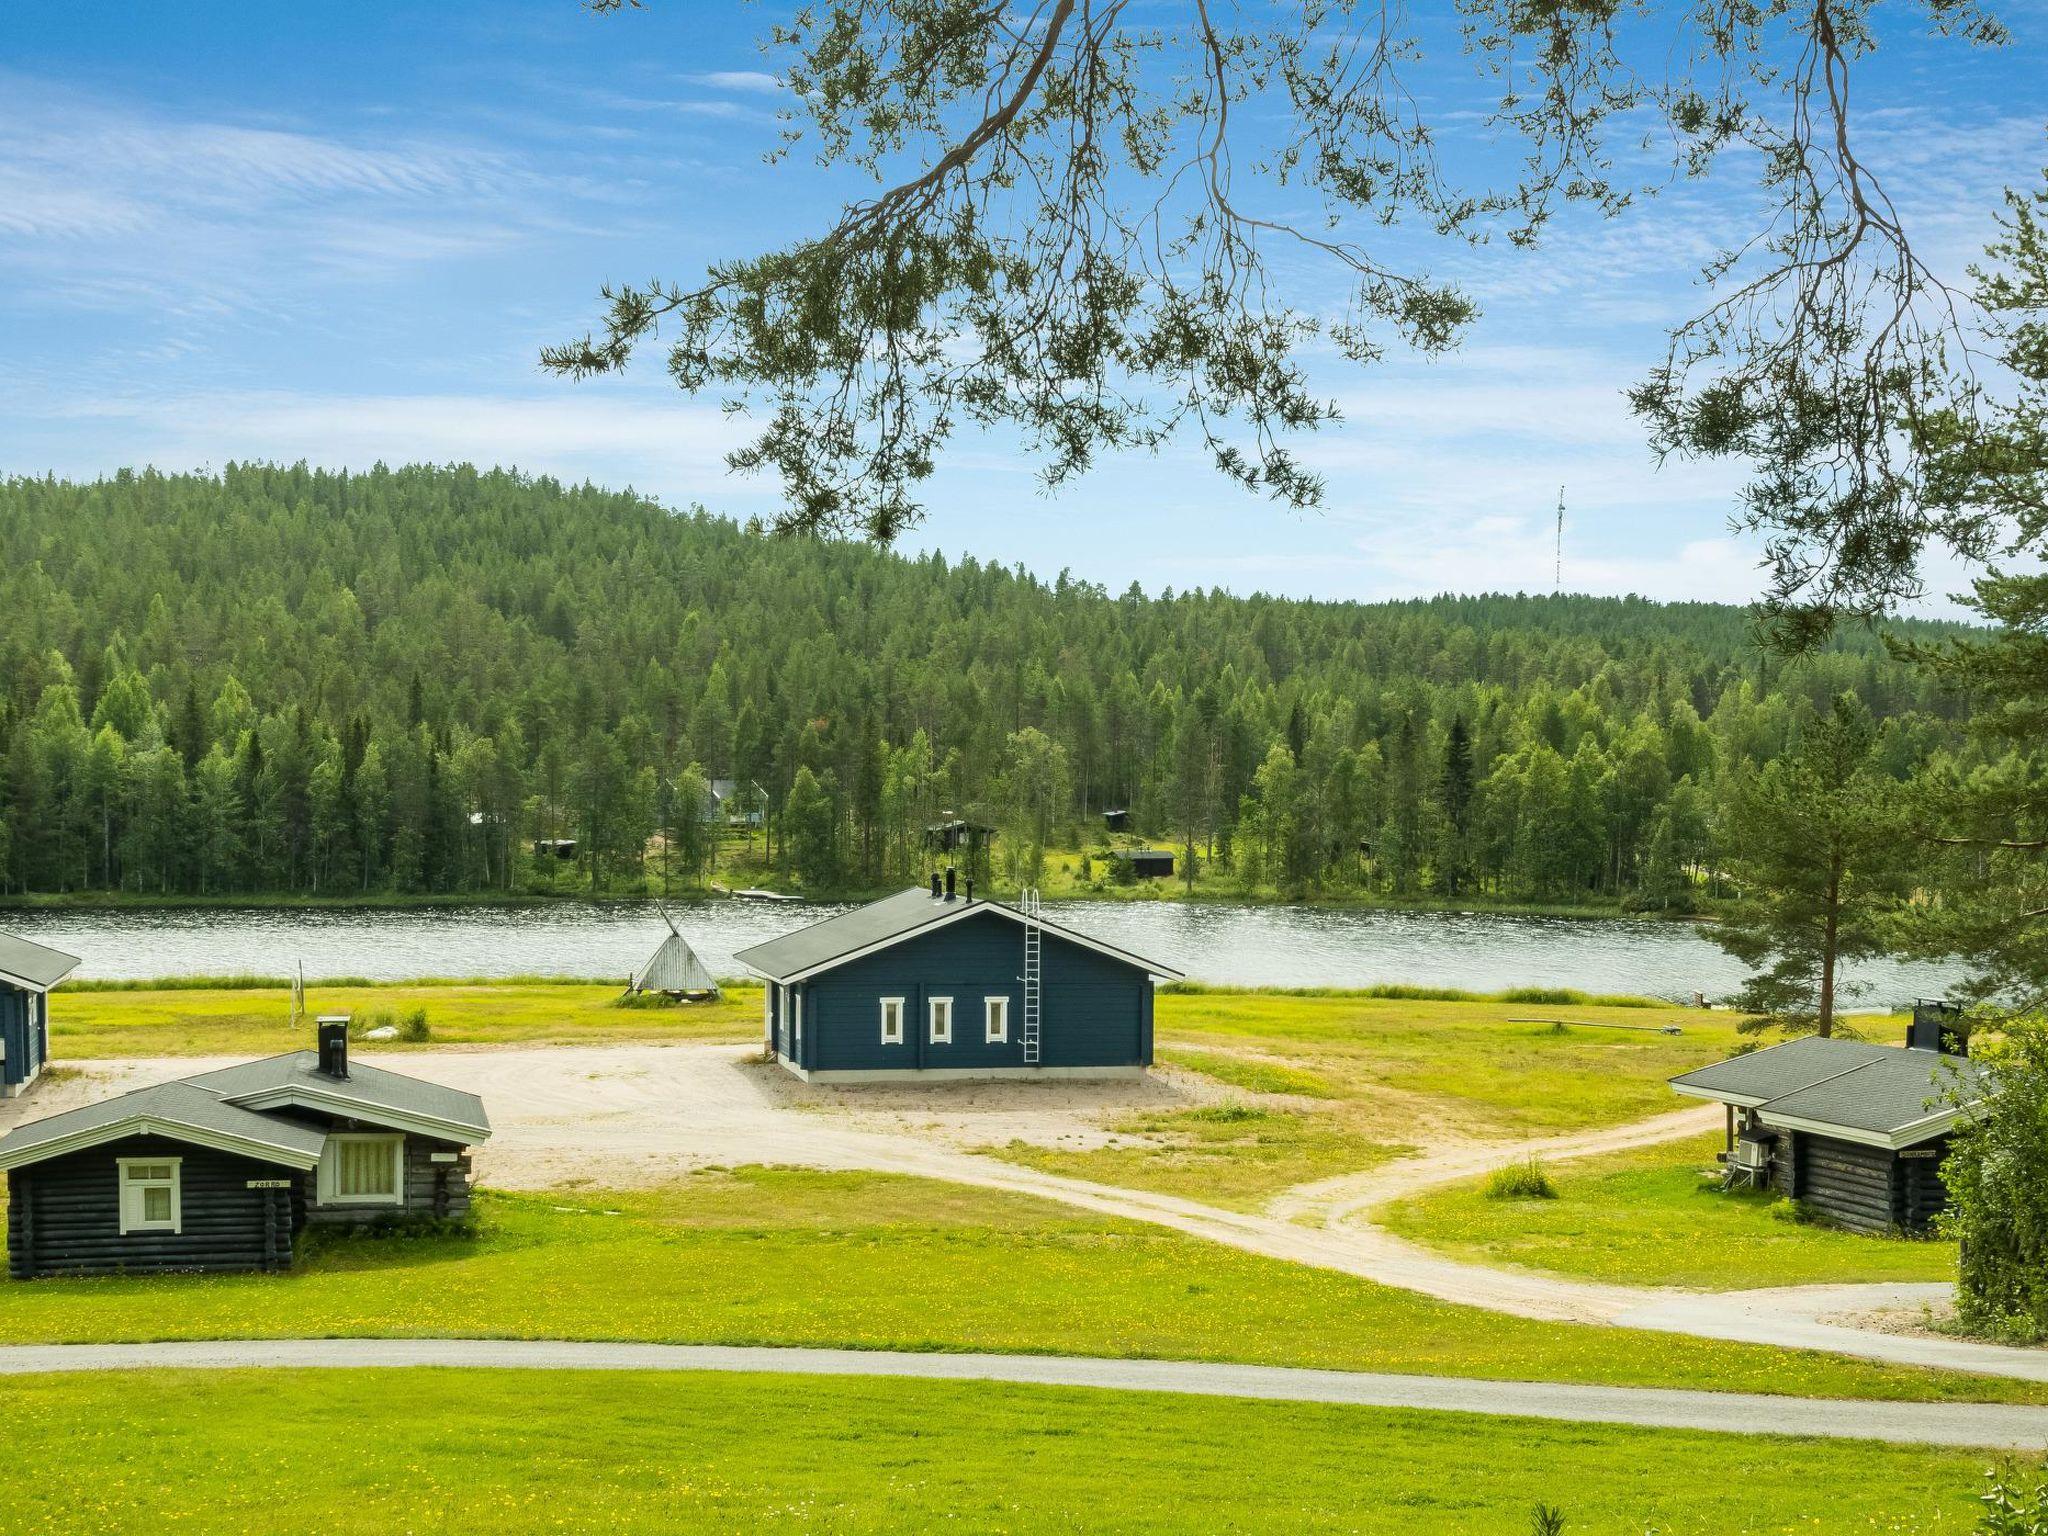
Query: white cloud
[[749, 81], [675, 450]]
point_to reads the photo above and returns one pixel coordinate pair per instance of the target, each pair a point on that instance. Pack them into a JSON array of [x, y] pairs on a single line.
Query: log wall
[[64, 1215]]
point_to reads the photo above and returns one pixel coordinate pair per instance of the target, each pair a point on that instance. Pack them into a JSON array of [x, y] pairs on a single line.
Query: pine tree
[[1820, 856]]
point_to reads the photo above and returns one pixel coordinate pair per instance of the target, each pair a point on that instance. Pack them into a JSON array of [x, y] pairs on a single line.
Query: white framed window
[[151, 1197], [892, 1021], [362, 1170], [995, 1016], [782, 1009], [797, 1038], [942, 1021]]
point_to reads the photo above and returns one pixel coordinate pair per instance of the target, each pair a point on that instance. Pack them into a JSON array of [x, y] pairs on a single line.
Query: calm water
[[1250, 946]]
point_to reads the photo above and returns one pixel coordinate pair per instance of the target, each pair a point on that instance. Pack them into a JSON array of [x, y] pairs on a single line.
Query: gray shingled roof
[[1779, 1069], [372, 1087], [169, 1106], [881, 922], [891, 917], [37, 964], [1885, 1096]]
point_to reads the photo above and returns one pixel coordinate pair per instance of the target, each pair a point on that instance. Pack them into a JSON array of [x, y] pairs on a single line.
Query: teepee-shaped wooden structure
[[674, 968]]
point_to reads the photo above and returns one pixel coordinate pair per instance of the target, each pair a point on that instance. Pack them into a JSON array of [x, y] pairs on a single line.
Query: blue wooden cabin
[[27, 974], [927, 984]]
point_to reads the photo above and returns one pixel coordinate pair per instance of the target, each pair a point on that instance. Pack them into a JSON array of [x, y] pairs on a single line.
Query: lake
[[1229, 945]]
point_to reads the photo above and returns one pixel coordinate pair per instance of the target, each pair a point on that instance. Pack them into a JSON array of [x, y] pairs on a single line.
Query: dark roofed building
[[935, 984], [28, 974], [1857, 1131], [222, 1171]]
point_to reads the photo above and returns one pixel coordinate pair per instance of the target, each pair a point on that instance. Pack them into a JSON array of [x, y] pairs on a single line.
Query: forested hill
[[289, 680]]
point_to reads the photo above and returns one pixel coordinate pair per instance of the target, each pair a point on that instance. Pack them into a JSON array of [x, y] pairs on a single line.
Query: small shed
[[933, 984], [674, 968], [1116, 821], [1857, 1131], [29, 972], [223, 1170], [1146, 863]]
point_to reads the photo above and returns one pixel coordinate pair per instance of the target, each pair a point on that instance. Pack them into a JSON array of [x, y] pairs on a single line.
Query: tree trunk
[[1825, 1024]]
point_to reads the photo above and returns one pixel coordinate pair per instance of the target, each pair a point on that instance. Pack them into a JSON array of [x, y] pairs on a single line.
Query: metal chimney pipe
[[949, 882], [333, 1037]]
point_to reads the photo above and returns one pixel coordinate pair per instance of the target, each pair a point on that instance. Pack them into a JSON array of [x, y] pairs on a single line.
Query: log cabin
[[223, 1171], [1856, 1131], [935, 985]]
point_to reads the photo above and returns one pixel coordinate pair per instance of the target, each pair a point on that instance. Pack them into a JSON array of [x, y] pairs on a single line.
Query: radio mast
[[1557, 574]]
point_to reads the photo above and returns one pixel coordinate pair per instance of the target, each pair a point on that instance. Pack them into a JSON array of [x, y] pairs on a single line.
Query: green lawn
[[1339, 1082], [768, 1256], [88, 1024], [1235, 1155], [1646, 1217], [1495, 1068], [430, 1451]]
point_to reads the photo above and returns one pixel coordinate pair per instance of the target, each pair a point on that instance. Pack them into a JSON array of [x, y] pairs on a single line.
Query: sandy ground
[[624, 1115], [634, 1114]]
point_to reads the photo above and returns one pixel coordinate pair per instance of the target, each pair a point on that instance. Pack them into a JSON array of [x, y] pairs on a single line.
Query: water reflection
[[1249, 946]]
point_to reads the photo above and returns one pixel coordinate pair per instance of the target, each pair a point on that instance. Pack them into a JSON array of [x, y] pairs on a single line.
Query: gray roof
[[674, 968], [1887, 1096], [37, 964], [170, 1107], [1779, 1069], [883, 922], [371, 1087]]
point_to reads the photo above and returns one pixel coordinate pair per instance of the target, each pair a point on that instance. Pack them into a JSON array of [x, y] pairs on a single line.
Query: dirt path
[[607, 1116], [1996, 1426], [1455, 1161]]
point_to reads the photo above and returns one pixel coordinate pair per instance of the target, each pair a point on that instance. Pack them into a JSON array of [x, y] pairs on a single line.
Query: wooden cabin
[[28, 974], [1146, 863], [1856, 1131], [930, 984], [222, 1171]]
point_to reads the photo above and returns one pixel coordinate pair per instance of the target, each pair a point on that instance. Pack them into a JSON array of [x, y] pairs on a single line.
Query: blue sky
[[341, 232]]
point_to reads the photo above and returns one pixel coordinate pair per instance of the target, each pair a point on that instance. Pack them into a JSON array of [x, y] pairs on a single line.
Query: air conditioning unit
[[1752, 1154]]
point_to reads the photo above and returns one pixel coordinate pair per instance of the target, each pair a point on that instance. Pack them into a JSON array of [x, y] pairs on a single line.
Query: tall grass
[[1570, 997], [1525, 1180]]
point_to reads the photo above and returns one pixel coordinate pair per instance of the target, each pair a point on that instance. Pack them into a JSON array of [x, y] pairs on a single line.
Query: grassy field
[[1318, 1084], [256, 1021], [1335, 1082], [778, 1256], [1237, 1155], [1646, 1218], [514, 1451]]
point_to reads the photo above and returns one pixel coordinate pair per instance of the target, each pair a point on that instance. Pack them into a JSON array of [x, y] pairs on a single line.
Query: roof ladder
[[1033, 938]]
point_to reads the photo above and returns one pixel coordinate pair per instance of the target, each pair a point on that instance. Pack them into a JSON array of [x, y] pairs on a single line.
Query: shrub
[[1997, 1178], [1228, 1114], [1546, 1520], [2012, 1506], [1525, 1180], [414, 1029]]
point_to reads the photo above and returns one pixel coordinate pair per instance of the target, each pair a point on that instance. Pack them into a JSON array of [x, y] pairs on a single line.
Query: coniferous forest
[[428, 680]]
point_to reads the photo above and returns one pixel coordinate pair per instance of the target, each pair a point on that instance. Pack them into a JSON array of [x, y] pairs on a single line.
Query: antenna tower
[[1557, 572]]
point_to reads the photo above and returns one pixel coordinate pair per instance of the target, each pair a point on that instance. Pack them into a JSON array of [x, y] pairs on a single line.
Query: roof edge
[[943, 919], [145, 1123], [299, 1096]]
